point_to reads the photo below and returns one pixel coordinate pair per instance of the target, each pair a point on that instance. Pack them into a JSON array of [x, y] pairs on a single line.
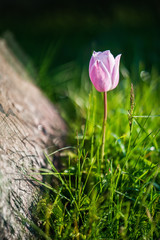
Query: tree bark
[[29, 124]]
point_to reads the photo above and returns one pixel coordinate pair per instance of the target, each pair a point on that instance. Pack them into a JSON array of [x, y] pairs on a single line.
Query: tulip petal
[[93, 59], [108, 60], [115, 72], [100, 76], [106, 57]]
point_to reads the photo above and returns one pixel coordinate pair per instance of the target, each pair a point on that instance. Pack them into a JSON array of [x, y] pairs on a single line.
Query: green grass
[[119, 199]]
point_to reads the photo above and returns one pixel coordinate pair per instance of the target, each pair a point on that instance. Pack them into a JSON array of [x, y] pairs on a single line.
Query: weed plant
[[116, 199]]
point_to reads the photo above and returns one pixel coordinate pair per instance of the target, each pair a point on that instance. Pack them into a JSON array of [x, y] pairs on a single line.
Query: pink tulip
[[104, 70]]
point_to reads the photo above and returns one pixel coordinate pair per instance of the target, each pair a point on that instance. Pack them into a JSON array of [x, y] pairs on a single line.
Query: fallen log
[[29, 124]]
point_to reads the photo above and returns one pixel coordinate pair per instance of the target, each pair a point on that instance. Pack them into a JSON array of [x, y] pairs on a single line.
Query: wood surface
[[29, 125]]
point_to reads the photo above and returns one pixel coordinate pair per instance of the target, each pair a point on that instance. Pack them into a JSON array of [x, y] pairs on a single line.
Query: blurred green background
[[130, 27], [59, 37]]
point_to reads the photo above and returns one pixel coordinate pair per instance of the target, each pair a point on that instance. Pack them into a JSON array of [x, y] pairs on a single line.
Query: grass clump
[[119, 198]]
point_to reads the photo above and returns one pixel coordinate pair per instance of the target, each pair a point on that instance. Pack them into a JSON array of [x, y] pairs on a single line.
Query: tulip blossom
[[104, 74], [104, 70]]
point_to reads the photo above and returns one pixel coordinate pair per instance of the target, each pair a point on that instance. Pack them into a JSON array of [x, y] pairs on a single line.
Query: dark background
[[71, 30]]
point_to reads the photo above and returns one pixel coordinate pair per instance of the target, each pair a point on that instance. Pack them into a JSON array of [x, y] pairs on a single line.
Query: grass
[[116, 199]]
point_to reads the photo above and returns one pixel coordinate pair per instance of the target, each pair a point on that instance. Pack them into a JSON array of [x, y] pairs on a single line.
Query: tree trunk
[[29, 124]]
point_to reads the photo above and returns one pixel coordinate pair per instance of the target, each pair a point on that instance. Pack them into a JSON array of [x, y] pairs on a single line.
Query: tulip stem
[[104, 124]]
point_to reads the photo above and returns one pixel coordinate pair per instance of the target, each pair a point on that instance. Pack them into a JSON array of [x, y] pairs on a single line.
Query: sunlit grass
[[117, 199]]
